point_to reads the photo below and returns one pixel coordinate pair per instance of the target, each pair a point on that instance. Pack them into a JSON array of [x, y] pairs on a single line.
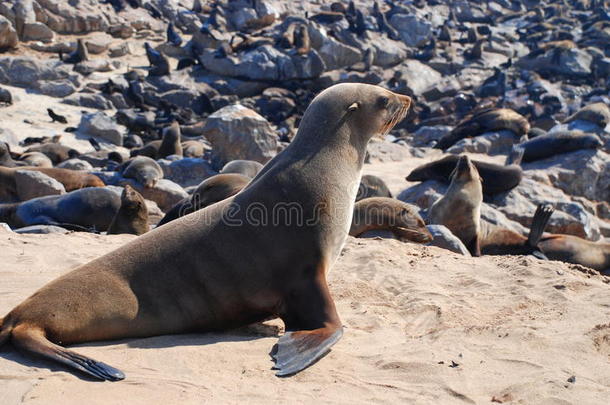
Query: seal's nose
[[404, 100]]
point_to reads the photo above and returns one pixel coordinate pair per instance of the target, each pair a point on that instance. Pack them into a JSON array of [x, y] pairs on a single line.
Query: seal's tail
[[539, 222]]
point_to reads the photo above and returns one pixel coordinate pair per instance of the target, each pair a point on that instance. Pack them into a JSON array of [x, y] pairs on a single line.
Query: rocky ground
[[237, 77]]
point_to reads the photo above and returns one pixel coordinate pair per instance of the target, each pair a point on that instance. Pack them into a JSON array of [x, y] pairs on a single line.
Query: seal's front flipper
[[34, 341], [298, 350], [312, 325]]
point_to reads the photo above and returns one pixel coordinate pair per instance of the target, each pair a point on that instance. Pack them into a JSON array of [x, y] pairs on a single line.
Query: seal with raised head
[[460, 208], [496, 178], [132, 216], [494, 119], [189, 276], [6, 159], [170, 144], [389, 214]]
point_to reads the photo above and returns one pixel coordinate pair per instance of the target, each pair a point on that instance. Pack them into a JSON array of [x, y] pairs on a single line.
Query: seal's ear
[[353, 107]]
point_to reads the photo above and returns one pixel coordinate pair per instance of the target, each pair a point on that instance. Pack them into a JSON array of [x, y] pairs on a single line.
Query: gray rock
[[30, 73], [573, 63], [186, 172], [266, 63], [413, 30], [581, 173], [57, 88], [489, 143], [75, 164], [37, 31], [423, 194], [119, 50], [424, 136], [8, 35], [98, 43], [100, 125], [445, 239], [387, 51], [95, 65], [88, 100], [31, 184], [237, 132], [41, 229], [419, 76], [520, 203], [337, 55]]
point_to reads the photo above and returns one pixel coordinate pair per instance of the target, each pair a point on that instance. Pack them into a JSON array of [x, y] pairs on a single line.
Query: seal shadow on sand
[[243, 334]]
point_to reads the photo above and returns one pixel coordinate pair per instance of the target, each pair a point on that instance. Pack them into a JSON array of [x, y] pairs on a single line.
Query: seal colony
[[280, 270]]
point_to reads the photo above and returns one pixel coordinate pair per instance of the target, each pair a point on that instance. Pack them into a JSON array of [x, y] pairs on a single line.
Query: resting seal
[[544, 146], [572, 249], [486, 121], [210, 191], [389, 214], [372, 186], [236, 262], [496, 178], [460, 208], [248, 168], [84, 210]]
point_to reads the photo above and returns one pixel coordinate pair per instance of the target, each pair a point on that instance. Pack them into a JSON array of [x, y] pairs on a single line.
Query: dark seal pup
[[223, 266]]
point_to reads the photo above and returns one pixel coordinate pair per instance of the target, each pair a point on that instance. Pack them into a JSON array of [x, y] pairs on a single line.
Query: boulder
[[572, 63], [423, 194], [445, 239], [237, 132], [31, 72], [57, 88], [186, 172], [413, 30], [37, 31], [89, 100], [98, 43], [100, 125], [31, 184], [489, 143]]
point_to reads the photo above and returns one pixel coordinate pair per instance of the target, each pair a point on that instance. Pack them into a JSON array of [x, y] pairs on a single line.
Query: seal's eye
[[383, 102], [353, 107]]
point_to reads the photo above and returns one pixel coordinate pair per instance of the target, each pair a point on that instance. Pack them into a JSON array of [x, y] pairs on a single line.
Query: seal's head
[[363, 110], [131, 201], [465, 171], [4, 150]]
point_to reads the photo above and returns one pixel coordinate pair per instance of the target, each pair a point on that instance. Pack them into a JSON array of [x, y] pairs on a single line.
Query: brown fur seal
[[383, 213], [372, 186], [496, 240], [71, 179], [460, 208], [143, 169], [36, 159], [545, 146], [496, 178], [83, 210], [210, 191], [55, 151], [248, 168], [132, 217], [189, 276], [193, 149], [572, 249], [170, 144], [151, 149], [485, 121], [597, 113], [81, 54], [6, 159]]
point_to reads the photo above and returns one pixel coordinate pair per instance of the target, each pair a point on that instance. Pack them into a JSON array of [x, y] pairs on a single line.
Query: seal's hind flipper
[[34, 341], [298, 350], [539, 222]]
